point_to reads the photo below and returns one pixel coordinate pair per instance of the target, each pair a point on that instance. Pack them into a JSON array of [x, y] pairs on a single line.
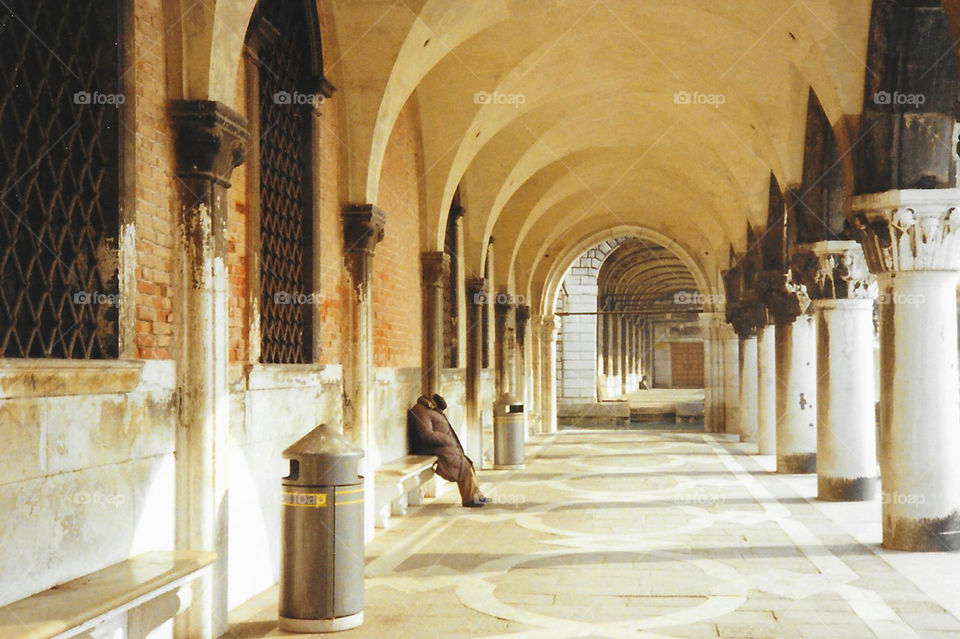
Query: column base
[[847, 489], [922, 535], [797, 464], [748, 439]]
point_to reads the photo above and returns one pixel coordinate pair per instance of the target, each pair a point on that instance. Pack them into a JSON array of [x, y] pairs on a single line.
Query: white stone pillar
[[748, 388], [362, 231], [548, 345], [766, 390], [435, 272], [911, 240], [210, 141], [730, 378], [478, 302], [837, 280], [796, 372], [536, 355]]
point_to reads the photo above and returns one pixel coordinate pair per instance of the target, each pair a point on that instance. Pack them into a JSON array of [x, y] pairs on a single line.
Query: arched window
[[59, 178], [290, 87]]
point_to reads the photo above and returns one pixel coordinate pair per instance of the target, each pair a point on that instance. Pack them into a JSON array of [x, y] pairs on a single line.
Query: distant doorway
[[686, 364]]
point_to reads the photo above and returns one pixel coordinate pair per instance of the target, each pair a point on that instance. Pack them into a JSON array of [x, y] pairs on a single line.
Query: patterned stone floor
[[648, 534]]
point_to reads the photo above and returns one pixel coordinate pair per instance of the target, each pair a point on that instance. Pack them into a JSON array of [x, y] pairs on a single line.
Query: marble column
[[435, 273], [730, 378], [523, 388], [796, 372], [362, 231], [745, 326], [766, 390], [842, 291], [911, 241], [477, 295], [501, 311], [535, 414], [624, 354], [713, 360], [210, 142], [548, 360]]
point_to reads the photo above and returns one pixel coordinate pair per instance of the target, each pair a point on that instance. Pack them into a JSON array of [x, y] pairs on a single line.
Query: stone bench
[[106, 603], [403, 482]]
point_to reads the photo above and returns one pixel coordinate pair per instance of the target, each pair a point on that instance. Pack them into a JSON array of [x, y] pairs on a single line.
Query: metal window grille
[[285, 186], [59, 179]]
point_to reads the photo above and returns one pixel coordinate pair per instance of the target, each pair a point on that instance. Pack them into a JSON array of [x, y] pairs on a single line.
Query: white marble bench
[[106, 603], [402, 482]]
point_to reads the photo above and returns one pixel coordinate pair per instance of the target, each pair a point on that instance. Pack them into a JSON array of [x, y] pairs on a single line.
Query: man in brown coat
[[432, 434]]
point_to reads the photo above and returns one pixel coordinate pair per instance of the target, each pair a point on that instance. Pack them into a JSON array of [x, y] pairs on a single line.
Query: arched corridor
[[727, 232]]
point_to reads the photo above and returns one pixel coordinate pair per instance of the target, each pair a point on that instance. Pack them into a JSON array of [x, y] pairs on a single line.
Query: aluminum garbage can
[[508, 425], [321, 581]]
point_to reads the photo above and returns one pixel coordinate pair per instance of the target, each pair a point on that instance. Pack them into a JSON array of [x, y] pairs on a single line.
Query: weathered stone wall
[[87, 478], [270, 408]]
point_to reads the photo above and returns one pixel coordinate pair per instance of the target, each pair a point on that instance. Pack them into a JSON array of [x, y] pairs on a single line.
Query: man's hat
[[440, 401]]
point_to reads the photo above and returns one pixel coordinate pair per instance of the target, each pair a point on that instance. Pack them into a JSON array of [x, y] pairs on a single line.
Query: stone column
[[435, 272], [710, 354], [504, 356], [624, 341], [362, 231], [840, 286], [744, 325], [911, 242], [548, 361], [766, 390], [535, 414], [730, 378], [522, 366], [476, 293], [787, 302], [458, 268], [210, 142]]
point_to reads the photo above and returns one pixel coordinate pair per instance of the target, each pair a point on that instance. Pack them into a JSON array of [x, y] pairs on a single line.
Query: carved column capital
[[909, 230], [833, 270], [435, 268], [550, 327], [209, 140], [746, 317], [785, 298], [476, 290], [363, 226]]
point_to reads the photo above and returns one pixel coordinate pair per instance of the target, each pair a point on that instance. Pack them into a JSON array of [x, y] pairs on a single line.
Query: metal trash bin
[[508, 425], [321, 581]]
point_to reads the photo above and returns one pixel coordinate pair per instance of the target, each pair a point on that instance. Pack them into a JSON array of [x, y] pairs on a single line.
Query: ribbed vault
[[643, 277]]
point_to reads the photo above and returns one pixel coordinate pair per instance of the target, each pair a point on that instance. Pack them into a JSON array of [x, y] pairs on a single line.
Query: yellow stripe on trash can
[[347, 503], [304, 500]]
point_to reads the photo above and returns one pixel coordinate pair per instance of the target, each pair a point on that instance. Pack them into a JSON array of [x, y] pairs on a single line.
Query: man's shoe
[[476, 503]]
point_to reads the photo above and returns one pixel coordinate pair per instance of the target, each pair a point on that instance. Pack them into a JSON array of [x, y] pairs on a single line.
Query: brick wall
[[396, 274], [154, 188]]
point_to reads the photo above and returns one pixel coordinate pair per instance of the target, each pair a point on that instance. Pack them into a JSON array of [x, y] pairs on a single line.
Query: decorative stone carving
[[362, 228], [785, 298], [746, 317], [909, 230], [210, 140], [833, 270], [435, 268]]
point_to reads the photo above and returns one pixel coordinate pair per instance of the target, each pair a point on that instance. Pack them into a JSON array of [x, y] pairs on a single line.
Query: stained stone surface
[[647, 534]]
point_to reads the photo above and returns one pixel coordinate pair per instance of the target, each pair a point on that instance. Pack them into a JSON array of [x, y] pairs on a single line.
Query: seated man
[[432, 434]]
